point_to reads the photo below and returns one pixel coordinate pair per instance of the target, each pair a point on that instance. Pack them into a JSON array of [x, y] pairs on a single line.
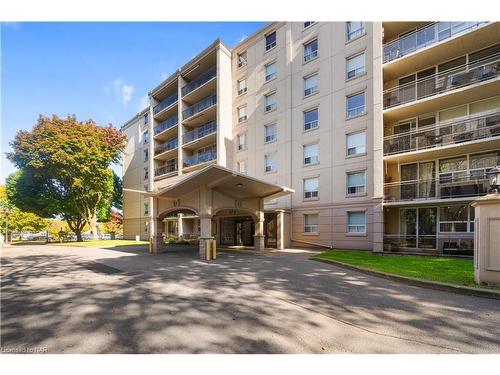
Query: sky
[[101, 71]]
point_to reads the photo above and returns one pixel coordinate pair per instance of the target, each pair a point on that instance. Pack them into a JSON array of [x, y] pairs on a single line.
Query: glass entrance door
[[417, 227]]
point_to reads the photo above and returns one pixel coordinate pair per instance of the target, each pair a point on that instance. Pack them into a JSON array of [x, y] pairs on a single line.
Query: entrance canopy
[[218, 178]]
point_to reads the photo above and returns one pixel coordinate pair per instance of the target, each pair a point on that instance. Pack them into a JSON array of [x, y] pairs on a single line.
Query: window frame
[[272, 124], [244, 118], [348, 34], [314, 194], [313, 55], [272, 76], [356, 193], [240, 163], [314, 161], [348, 117], [348, 225], [243, 90], [239, 63], [269, 108], [347, 143], [361, 73], [313, 228], [312, 90], [242, 146], [270, 46], [304, 123], [266, 158]]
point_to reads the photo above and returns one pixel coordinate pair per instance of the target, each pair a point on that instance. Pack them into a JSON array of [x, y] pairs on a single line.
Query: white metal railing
[[310, 56], [356, 111]]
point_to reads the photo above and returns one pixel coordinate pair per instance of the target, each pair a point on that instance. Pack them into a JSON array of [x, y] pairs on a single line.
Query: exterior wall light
[[494, 180]]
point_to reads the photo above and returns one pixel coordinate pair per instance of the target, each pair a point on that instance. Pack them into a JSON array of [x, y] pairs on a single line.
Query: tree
[[117, 192], [66, 166], [114, 225]]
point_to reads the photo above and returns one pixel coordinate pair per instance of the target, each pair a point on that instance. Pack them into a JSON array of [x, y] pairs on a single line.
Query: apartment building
[[348, 134]]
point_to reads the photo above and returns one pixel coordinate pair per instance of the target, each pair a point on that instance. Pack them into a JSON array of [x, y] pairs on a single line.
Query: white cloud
[[127, 92], [123, 91], [242, 37]]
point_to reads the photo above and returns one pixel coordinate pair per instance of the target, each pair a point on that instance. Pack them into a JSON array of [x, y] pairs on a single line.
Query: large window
[[356, 105], [311, 50], [356, 183], [270, 162], [146, 208], [311, 119], [308, 23], [311, 154], [145, 137], [356, 143], [242, 59], [311, 188], [354, 29], [270, 40], [355, 65], [456, 219], [270, 102], [356, 222], [145, 119], [146, 173], [242, 113], [311, 84], [269, 133], [311, 223], [242, 86], [146, 155], [270, 70], [243, 166], [241, 141]]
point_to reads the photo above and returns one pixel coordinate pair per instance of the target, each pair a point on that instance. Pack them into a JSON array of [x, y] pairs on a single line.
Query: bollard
[[214, 250], [207, 250], [151, 245]]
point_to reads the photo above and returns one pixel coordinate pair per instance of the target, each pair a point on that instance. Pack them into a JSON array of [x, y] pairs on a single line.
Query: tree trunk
[[93, 226], [113, 235], [78, 236]]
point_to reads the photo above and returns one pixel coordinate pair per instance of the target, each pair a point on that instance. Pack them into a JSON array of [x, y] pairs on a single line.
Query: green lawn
[[446, 270], [103, 243]]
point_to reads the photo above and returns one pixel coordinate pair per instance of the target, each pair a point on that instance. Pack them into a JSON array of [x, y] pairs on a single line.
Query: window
[[356, 183], [311, 119], [356, 143], [354, 29], [270, 162], [271, 71], [146, 155], [243, 166], [242, 59], [356, 222], [145, 119], [311, 223], [311, 85], [146, 208], [146, 225], [311, 50], [308, 23], [311, 188], [270, 40], [145, 137], [356, 105], [311, 154], [355, 66], [242, 113], [454, 219], [241, 141], [269, 133], [270, 102], [242, 86], [146, 173]]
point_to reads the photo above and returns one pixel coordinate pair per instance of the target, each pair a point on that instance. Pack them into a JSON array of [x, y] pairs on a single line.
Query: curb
[[476, 292]]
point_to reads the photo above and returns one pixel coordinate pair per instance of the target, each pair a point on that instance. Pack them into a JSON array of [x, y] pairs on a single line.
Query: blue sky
[[95, 70]]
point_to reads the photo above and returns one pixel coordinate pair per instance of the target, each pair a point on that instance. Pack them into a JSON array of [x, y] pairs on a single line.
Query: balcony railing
[[165, 103], [457, 184], [471, 129], [200, 81], [200, 106], [465, 75], [426, 36], [399, 242], [200, 158], [167, 124], [170, 145], [166, 169], [208, 128]]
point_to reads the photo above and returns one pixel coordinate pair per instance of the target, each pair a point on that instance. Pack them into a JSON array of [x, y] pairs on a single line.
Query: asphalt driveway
[[86, 300]]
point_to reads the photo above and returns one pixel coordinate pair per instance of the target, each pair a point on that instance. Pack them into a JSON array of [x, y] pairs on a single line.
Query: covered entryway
[[224, 205]]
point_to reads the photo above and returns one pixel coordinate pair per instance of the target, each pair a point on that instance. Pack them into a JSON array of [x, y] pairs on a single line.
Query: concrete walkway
[[86, 300]]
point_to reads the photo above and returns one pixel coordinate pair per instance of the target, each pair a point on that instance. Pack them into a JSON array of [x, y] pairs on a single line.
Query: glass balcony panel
[[165, 103], [200, 132], [198, 82], [199, 106], [167, 124], [200, 158], [166, 169]]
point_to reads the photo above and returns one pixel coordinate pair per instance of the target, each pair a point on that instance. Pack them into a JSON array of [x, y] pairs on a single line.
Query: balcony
[[200, 158], [456, 132], [198, 82], [200, 134], [166, 150], [166, 170], [199, 107], [167, 103], [462, 76], [165, 125], [463, 245], [464, 184], [425, 37]]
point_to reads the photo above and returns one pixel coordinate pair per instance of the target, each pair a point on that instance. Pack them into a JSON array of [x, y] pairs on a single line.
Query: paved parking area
[[88, 300]]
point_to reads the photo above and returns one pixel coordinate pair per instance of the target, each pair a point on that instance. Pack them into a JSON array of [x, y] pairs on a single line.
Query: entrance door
[[270, 230], [244, 232]]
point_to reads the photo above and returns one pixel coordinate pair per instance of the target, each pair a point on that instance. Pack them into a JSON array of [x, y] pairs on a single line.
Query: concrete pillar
[[157, 235], [259, 232], [180, 229], [280, 229], [487, 239], [378, 226], [205, 233]]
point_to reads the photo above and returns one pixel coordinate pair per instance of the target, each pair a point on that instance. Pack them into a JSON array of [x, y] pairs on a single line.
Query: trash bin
[[137, 238]]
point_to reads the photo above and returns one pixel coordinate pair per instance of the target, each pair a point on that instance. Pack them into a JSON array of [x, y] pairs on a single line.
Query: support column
[[205, 233], [378, 226], [280, 229], [180, 229], [157, 235], [258, 238]]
